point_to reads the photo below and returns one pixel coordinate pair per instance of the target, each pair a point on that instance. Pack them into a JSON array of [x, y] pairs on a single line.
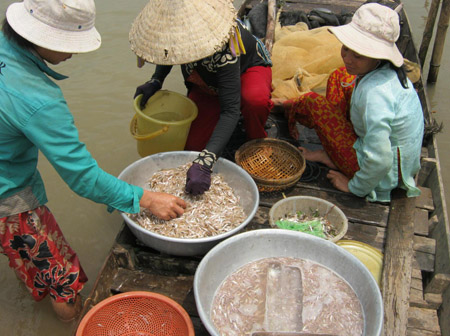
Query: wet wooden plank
[[338, 5], [421, 224], [434, 301], [369, 234], [398, 255], [260, 221], [416, 299], [425, 200], [175, 287], [444, 312], [432, 223], [199, 328], [424, 248], [124, 256], [424, 261], [355, 208], [439, 229], [438, 283], [424, 320], [424, 244], [442, 235], [416, 273], [417, 332], [416, 283], [333, 5], [373, 235], [164, 264]]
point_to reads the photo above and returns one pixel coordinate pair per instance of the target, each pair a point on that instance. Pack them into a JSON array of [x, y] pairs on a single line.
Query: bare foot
[[318, 156], [338, 180], [67, 312], [278, 105]]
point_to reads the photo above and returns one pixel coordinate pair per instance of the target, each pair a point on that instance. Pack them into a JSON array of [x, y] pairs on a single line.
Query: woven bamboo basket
[[274, 164]]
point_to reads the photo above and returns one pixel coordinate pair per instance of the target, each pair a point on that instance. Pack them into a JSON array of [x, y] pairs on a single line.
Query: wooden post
[[439, 41], [397, 269], [243, 7], [428, 31], [270, 29]]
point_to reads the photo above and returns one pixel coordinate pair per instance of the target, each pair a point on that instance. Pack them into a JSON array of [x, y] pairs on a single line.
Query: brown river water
[[99, 93]]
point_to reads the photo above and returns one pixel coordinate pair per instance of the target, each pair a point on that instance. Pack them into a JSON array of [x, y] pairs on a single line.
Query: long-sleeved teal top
[[387, 119], [34, 117]]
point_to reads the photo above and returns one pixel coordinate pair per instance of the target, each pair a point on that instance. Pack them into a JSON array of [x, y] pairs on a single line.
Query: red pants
[[40, 255], [329, 116], [255, 108]]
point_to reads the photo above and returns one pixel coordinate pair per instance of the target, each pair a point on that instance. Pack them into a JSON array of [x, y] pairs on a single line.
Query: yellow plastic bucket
[[163, 125]]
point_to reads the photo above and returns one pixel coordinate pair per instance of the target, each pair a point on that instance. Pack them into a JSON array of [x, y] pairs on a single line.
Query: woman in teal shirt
[[34, 117], [372, 137]]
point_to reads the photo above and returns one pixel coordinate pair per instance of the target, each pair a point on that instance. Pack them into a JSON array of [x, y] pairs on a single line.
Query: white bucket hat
[[181, 31], [373, 31], [65, 26]]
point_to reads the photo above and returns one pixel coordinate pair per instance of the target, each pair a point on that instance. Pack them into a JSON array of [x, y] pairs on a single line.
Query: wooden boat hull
[[416, 291]]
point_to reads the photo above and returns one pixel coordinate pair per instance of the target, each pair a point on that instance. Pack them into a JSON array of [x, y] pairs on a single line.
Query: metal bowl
[[291, 205], [139, 172], [233, 253]]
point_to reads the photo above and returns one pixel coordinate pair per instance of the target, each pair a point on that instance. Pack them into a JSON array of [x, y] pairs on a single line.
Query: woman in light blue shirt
[[373, 144], [34, 117]]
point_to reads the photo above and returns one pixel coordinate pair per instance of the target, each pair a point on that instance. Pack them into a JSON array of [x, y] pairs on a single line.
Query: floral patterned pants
[[330, 118], [40, 255]]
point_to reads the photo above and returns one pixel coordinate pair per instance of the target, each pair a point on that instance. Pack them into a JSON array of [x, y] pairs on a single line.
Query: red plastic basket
[[136, 313]]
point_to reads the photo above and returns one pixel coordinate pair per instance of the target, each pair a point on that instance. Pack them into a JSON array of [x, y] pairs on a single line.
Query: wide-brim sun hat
[[373, 31], [181, 31], [64, 26]]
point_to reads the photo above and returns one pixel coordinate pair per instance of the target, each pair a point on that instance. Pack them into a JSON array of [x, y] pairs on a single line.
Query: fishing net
[[303, 59]]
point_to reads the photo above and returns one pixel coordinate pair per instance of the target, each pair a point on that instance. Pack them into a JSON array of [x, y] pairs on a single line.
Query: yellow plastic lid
[[371, 257]]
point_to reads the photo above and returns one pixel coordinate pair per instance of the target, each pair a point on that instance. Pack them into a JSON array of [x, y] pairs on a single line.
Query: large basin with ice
[[230, 255]]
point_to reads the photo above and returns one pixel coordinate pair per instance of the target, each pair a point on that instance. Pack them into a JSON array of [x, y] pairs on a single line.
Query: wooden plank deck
[[132, 266]]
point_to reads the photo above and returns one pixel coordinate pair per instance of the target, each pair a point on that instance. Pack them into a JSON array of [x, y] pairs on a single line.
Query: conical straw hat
[[169, 32]]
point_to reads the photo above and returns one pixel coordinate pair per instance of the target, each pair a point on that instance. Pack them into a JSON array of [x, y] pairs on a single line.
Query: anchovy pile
[[215, 212]]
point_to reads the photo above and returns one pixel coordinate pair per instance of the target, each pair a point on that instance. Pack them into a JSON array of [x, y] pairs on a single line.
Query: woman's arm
[[372, 115], [229, 92], [58, 140]]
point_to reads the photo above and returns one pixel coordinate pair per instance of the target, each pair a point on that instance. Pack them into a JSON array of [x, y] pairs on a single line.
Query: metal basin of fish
[[139, 172], [239, 250]]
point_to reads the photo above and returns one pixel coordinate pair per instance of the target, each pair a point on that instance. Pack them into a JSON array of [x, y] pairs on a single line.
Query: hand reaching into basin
[[198, 177], [162, 205]]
